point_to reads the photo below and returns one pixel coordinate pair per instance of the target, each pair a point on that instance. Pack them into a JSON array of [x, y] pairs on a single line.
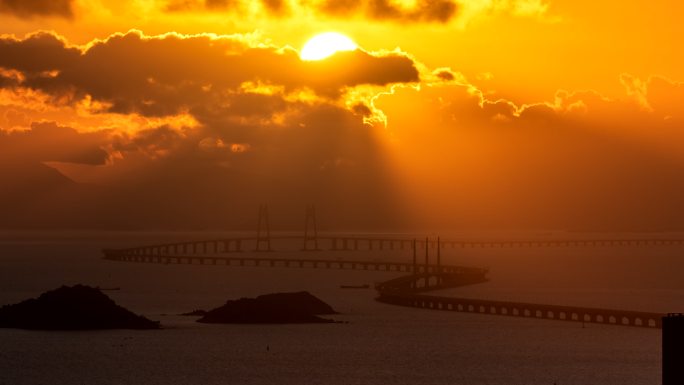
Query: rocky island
[[278, 308], [76, 307]]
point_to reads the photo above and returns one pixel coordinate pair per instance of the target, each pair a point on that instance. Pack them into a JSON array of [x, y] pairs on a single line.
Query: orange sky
[[490, 113]]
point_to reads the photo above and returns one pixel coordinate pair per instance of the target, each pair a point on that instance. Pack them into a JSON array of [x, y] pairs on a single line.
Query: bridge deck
[[370, 243], [286, 262]]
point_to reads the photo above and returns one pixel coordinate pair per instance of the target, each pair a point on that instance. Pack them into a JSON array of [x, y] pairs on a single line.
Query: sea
[[375, 344]]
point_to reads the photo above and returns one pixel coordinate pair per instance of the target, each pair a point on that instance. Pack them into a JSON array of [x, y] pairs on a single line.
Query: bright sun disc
[[324, 45]]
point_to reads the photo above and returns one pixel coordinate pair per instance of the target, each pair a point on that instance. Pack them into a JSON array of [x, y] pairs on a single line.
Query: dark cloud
[[362, 109], [31, 8], [220, 4], [151, 141], [383, 9], [352, 68], [181, 5], [276, 7], [36, 54], [439, 10], [445, 74], [170, 74], [340, 7], [212, 5], [428, 11]]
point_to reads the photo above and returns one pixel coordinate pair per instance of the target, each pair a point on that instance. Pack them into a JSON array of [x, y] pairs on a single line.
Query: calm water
[[381, 344]]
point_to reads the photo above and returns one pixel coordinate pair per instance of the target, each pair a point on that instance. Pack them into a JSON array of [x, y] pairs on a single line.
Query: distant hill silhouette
[[72, 308], [177, 197], [34, 195]]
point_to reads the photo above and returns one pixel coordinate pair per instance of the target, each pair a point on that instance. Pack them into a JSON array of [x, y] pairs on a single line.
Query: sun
[[325, 44]]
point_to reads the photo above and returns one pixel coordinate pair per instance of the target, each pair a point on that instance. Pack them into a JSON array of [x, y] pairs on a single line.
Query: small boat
[[355, 286]]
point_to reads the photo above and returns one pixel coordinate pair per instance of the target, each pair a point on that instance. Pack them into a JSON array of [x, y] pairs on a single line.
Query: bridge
[[342, 242], [406, 290]]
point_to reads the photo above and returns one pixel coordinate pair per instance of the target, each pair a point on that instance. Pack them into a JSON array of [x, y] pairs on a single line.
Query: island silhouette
[[276, 308], [76, 307]]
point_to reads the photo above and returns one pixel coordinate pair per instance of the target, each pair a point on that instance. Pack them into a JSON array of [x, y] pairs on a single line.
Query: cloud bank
[[166, 74], [582, 161], [194, 131], [227, 123]]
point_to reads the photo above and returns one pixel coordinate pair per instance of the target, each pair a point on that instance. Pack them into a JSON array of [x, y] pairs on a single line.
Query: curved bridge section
[[407, 290]]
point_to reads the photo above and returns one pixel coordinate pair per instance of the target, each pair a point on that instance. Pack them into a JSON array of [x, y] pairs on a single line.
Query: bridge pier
[[415, 262], [310, 229], [427, 265], [263, 229], [439, 262]]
